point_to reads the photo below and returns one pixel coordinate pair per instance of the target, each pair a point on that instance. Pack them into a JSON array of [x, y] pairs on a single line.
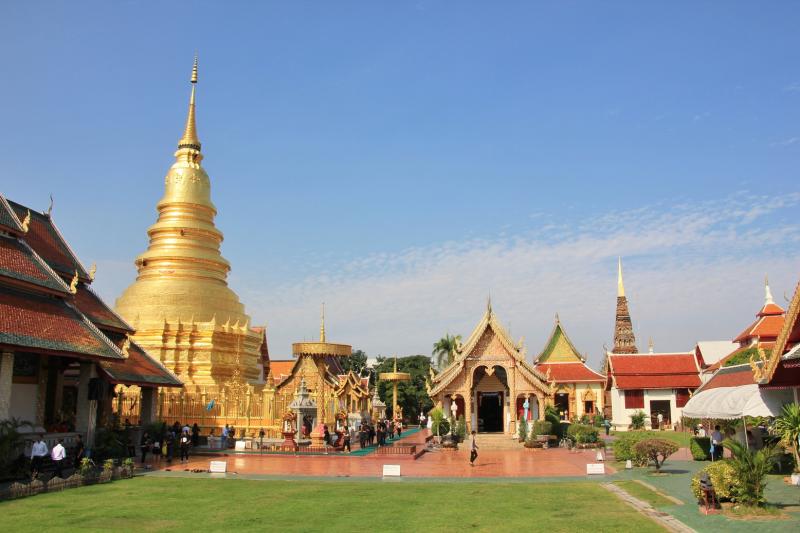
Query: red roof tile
[[139, 368], [20, 263], [654, 371], [280, 370], [8, 218], [771, 309], [42, 322], [765, 328], [98, 312], [44, 237], [569, 372], [731, 376]]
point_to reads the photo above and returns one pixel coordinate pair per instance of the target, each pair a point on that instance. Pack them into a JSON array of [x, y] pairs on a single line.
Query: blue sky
[[402, 160]]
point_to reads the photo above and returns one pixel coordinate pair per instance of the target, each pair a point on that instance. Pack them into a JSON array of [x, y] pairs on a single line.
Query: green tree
[[787, 427], [752, 467], [412, 395], [444, 350], [357, 362]]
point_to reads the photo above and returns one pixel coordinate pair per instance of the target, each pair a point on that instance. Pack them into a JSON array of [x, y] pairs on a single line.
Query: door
[[490, 412], [661, 407]]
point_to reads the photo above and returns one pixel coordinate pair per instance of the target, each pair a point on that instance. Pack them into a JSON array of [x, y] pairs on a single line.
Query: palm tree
[[444, 350], [787, 427], [751, 469]]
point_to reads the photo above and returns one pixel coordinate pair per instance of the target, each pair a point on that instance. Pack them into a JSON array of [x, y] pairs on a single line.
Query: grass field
[[181, 504], [678, 437], [637, 490]]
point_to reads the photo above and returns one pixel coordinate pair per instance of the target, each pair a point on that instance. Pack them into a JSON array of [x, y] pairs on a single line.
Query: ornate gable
[[789, 335], [559, 349]]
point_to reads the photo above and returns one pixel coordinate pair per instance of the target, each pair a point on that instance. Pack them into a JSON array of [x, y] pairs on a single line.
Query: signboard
[[239, 447], [391, 470], [218, 467], [595, 468]]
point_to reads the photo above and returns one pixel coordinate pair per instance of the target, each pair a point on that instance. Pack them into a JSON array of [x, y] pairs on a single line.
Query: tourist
[[157, 449], [701, 431], [195, 435], [346, 439], [660, 419], [421, 420], [169, 446], [399, 428], [58, 454], [186, 429], [381, 434], [716, 443], [326, 435], [145, 444], [473, 453], [80, 451], [362, 437], [224, 440], [185, 440], [261, 434], [607, 425], [38, 453]]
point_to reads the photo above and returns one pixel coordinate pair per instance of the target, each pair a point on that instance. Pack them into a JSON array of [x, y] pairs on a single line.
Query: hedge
[[700, 448], [624, 448], [723, 478]]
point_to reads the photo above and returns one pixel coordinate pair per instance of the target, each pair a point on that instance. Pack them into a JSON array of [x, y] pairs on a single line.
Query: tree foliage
[[787, 427], [412, 395], [751, 467], [444, 350], [357, 362], [656, 450]]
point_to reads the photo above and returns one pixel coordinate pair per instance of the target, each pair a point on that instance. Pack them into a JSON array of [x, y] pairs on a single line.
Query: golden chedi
[[181, 305]]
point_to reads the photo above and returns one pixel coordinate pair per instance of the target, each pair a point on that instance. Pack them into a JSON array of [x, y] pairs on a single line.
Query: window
[[681, 397], [634, 399]]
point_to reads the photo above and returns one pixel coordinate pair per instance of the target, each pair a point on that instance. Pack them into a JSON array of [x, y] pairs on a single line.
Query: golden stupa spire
[[189, 139], [620, 285], [322, 325]]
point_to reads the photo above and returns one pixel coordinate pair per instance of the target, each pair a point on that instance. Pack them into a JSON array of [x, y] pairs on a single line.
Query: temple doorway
[[490, 412], [562, 404]]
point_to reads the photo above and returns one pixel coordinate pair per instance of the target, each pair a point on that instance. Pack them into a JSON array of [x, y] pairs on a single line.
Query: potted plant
[[787, 427], [126, 470]]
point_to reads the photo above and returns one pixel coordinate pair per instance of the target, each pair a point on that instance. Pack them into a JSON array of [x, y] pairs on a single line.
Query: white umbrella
[[728, 403]]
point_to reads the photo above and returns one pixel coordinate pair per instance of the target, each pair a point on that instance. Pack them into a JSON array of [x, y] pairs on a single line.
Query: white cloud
[[693, 272]]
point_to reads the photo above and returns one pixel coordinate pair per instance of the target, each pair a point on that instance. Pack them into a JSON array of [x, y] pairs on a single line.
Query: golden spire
[[189, 139], [395, 362], [620, 285], [322, 325]]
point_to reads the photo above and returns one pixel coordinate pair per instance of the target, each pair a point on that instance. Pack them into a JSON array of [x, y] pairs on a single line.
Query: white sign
[[218, 467], [595, 468], [391, 470], [240, 445]]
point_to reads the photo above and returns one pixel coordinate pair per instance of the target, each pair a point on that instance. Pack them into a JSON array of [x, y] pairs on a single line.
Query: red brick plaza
[[555, 462]]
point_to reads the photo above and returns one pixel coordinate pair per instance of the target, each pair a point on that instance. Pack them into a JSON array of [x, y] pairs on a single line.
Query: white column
[[6, 373]]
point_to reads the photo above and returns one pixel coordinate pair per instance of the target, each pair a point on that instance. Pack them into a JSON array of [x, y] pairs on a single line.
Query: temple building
[[180, 303], [338, 394], [488, 379], [624, 339], [64, 351], [779, 368], [578, 388]]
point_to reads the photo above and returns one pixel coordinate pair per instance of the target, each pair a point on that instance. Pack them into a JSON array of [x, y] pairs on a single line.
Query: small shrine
[[394, 378]]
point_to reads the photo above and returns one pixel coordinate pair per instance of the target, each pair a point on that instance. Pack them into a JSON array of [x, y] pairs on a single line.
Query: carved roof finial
[[50, 207], [189, 138], [73, 285], [92, 271], [767, 293], [27, 222]]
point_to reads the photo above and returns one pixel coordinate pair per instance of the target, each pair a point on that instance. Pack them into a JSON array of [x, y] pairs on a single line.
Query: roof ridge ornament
[[767, 293], [92, 271], [27, 222], [73, 285], [50, 207], [189, 138]]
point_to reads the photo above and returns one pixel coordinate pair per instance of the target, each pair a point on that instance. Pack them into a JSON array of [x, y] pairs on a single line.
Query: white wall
[[621, 417], [23, 401]]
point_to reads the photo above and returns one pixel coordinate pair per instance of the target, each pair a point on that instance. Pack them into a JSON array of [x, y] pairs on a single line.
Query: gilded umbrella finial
[[190, 139], [322, 324]]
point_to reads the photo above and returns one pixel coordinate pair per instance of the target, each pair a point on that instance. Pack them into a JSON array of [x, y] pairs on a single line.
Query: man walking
[[58, 454], [473, 453], [38, 453]]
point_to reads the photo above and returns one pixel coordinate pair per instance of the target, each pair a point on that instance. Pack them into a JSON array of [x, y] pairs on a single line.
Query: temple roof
[[8, 219], [44, 237], [764, 328], [281, 370], [786, 341], [22, 265], [138, 368], [729, 376], [98, 312], [573, 372], [559, 348], [39, 322], [654, 371]]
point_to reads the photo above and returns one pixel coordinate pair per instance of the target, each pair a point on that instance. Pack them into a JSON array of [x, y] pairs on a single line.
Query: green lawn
[[678, 437], [181, 504], [637, 490]]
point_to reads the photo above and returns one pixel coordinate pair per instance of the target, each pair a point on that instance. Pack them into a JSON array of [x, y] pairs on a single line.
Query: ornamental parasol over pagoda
[[395, 377]]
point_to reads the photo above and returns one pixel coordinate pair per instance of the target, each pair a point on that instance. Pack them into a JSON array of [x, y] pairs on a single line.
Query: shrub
[[655, 450], [787, 427], [437, 415], [523, 430], [12, 461], [751, 467], [541, 427], [723, 478], [700, 448], [461, 428], [637, 420], [582, 434], [108, 465], [86, 467], [624, 448]]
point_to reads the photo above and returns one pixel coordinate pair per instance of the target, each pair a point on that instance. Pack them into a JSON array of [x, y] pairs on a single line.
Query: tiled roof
[[98, 312], [139, 368], [44, 237], [654, 371], [280, 370], [730, 376], [8, 219], [764, 328], [569, 372], [771, 308], [35, 321], [766, 346], [19, 262]]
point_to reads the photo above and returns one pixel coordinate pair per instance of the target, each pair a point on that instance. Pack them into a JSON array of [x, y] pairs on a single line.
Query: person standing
[[80, 451], [38, 453], [716, 443], [346, 439], [473, 452], [195, 434], [607, 425], [145, 445], [185, 447], [224, 437], [58, 454]]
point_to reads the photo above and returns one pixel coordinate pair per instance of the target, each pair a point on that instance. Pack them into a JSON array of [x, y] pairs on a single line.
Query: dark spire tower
[[624, 339]]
